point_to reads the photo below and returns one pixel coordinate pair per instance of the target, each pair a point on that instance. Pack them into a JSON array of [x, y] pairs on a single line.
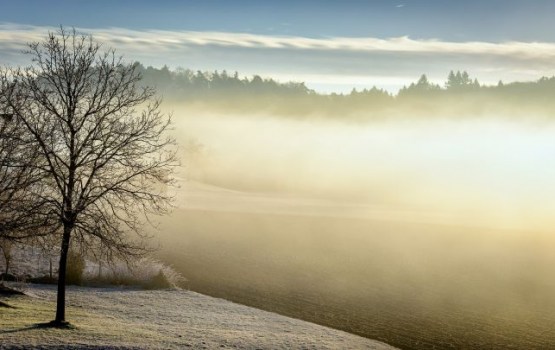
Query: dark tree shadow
[[51, 324], [28, 328], [5, 305], [55, 324]]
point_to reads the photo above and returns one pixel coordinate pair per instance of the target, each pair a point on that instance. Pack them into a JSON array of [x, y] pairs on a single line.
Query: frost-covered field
[[166, 319]]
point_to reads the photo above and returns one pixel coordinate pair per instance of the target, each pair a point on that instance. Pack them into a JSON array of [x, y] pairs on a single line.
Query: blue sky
[[325, 65], [442, 19]]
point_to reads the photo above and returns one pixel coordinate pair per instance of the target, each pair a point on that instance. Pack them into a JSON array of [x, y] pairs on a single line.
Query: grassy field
[[165, 319], [415, 286]]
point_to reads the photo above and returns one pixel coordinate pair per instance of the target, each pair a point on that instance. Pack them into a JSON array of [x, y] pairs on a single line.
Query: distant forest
[[459, 95]]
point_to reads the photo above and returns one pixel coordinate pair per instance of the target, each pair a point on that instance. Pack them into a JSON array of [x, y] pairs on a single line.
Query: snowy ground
[[118, 318]]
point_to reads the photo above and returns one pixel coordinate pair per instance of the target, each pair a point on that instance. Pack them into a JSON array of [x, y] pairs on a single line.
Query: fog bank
[[488, 172]]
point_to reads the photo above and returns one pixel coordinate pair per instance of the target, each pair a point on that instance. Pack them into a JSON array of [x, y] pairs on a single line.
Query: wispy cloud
[[330, 54], [17, 34]]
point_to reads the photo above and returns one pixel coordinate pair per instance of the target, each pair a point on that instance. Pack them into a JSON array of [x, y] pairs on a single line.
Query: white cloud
[[162, 39]]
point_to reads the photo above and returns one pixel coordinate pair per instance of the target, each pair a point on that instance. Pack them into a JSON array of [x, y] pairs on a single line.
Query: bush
[[8, 277], [44, 280], [75, 268], [145, 273], [159, 281]]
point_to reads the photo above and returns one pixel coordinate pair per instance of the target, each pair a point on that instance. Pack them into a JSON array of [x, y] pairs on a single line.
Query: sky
[[330, 45]]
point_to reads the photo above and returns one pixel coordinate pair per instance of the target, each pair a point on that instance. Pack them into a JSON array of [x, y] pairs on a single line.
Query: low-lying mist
[[414, 232], [488, 170]]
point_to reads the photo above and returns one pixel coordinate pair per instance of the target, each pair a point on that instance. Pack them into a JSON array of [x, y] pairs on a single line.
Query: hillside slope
[[168, 319]]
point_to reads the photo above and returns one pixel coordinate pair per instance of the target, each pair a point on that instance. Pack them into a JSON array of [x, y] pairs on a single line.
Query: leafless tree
[[103, 143], [21, 213]]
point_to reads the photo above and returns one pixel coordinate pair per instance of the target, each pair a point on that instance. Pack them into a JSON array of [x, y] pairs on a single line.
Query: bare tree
[[21, 213], [103, 141]]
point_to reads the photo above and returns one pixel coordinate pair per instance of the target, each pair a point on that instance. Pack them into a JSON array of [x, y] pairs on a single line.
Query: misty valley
[[420, 233], [277, 175]]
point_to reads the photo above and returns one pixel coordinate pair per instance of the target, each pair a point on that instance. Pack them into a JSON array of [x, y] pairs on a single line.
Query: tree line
[[186, 83], [459, 93]]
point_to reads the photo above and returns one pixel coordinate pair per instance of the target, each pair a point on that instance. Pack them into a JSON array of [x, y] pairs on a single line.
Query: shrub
[[44, 280], [8, 277], [158, 281], [75, 268], [145, 273]]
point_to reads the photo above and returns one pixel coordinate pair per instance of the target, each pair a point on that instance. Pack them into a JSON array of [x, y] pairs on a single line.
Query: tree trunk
[[6, 248], [61, 301]]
